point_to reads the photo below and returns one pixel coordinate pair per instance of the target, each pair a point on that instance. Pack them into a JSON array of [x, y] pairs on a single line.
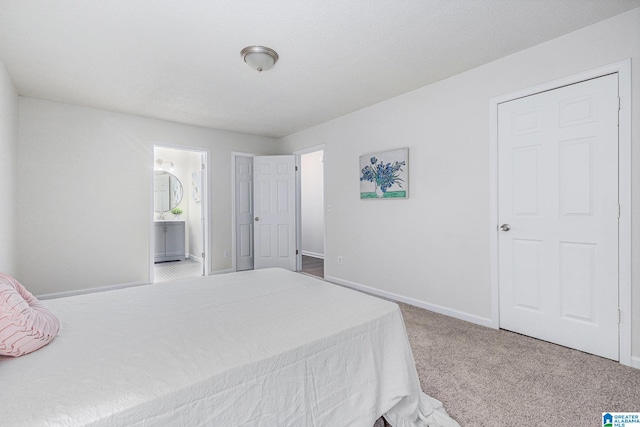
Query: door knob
[[257, 218], [505, 227]]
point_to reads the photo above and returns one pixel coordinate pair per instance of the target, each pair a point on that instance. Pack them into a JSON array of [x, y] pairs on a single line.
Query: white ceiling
[[180, 60]]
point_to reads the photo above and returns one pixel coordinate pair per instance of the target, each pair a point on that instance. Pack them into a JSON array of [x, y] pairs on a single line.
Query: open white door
[[559, 211], [274, 203]]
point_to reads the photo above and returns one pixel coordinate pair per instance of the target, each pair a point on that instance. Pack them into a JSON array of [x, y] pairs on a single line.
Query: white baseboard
[[90, 290], [635, 362], [483, 321], [230, 270], [197, 258], [312, 254]]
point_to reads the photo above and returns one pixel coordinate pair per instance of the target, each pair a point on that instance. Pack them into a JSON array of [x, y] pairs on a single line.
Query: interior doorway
[[312, 228], [179, 228], [265, 211], [309, 210]]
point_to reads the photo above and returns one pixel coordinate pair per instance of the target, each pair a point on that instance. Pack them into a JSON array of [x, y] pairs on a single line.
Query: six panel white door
[[274, 203], [244, 213], [558, 192]]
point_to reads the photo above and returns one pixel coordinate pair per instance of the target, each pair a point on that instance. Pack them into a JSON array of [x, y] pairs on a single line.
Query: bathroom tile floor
[[172, 270]]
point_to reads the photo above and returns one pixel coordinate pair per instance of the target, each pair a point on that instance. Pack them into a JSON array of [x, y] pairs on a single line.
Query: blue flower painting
[[384, 175]]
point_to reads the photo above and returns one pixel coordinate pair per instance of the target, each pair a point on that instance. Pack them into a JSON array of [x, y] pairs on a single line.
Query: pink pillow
[[25, 324]]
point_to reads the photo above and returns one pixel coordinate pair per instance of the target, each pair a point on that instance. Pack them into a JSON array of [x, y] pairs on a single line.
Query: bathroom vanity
[[169, 241]]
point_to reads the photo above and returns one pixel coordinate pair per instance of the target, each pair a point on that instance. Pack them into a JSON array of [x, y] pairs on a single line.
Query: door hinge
[[618, 210], [619, 104], [296, 252], [203, 256], [202, 167], [296, 169], [619, 316]]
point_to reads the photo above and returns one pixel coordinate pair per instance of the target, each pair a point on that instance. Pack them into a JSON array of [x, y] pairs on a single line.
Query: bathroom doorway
[[179, 229]]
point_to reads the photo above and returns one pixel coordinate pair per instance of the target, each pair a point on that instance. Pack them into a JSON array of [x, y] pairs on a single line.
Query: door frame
[[206, 203], [298, 154], [623, 69]]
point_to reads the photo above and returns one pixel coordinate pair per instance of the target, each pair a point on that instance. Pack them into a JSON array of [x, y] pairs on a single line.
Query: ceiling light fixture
[[259, 58], [160, 162]]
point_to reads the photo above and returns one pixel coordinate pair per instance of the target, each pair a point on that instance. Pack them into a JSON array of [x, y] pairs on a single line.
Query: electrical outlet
[[226, 253], [339, 259]]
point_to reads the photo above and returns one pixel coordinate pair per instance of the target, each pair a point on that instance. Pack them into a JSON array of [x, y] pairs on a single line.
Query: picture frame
[[385, 175]]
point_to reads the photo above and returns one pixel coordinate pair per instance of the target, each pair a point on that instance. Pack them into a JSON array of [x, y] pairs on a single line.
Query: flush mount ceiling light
[[259, 58], [160, 163]]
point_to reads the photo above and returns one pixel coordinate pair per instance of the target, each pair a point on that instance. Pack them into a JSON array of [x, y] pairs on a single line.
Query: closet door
[[559, 212], [244, 213], [274, 204]]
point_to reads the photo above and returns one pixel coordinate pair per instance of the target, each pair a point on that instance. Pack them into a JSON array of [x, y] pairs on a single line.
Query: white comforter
[[259, 348]]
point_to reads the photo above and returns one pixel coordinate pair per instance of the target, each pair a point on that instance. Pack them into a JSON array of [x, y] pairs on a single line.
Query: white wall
[[312, 205], [8, 159], [434, 247], [84, 193]]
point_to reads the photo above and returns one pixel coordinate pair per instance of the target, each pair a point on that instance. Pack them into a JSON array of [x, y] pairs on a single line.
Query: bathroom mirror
[[167, 191]]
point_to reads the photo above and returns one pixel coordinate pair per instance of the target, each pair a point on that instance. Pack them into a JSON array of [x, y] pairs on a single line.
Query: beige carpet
[[487, 377]]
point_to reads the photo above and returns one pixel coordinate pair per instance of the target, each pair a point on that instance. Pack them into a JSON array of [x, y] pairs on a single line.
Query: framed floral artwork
[[385, 175]]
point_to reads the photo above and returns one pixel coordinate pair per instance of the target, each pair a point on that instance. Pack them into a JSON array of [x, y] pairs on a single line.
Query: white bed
[[258, 348]]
